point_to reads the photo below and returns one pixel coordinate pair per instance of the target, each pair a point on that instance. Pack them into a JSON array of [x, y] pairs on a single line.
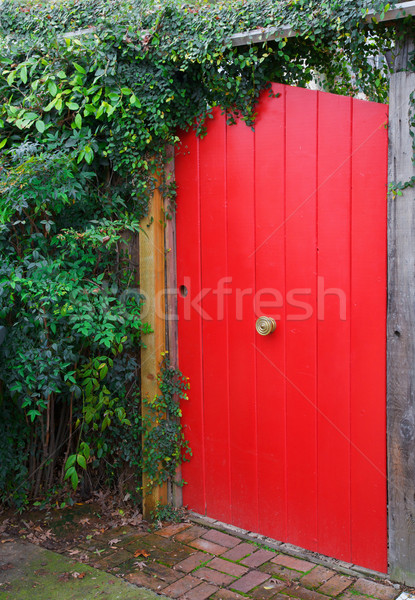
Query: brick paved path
[[191, 562]]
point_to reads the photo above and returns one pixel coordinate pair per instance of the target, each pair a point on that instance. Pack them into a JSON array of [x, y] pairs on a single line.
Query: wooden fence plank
[[152, 281], [175, 492], [401, 329]]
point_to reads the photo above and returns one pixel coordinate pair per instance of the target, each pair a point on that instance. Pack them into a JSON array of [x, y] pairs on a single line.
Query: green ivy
[[164, 443]]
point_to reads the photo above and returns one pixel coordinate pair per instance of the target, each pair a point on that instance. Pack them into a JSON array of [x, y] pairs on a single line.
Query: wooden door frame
[[400, 321]]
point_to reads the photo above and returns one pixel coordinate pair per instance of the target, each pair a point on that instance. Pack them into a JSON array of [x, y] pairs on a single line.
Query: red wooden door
[[287, 430]]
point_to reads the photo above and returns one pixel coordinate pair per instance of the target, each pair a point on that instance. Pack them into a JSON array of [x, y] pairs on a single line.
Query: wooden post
[[401, 327], [175, 491], [152, 286]]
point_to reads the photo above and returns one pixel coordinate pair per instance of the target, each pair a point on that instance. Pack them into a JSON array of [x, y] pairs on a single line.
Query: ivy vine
[[164, 443]]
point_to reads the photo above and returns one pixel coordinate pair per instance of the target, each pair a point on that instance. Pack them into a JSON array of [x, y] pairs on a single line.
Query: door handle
[[265, 325]]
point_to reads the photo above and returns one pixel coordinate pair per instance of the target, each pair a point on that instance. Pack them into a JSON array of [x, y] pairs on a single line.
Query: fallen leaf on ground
[[7, 540], [140, 564], [4, 525], [77, 575], [114, 541], [141, 553]]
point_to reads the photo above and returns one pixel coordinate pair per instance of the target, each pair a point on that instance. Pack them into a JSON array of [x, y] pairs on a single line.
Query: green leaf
[[100, 111], [33, 414], [88, 389], [23, 74], [40, 126], [74, 480], [79, 68], [52, 87], [3, 142], [69, 472], [72, 105], [50, 105], [10, 77], [103, 371], [78, 121], [70, 462], [81, 461], [89, 154]]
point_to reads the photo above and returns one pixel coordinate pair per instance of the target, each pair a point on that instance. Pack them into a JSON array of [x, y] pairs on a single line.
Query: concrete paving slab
[[29, 572]]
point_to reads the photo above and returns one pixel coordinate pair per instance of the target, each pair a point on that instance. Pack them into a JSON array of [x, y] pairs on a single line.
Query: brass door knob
[[265, 325]]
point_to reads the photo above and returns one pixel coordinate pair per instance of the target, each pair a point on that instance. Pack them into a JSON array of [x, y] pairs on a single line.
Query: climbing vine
[[91, 94], [164, 443]]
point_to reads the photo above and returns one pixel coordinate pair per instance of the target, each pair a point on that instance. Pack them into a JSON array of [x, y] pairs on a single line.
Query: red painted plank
[[368, 336], [270, 286], [241, 325], [190, 324], [333, 321], [301, 265], [215, 335]]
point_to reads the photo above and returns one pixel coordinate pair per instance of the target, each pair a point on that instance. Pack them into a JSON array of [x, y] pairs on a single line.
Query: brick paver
[[162, 572], [122, 533], [162, 549], [181, 586], [239, 551], [190, 534], [293, 563], [336, 585], [173, 529], [207, 546], [258, 558], [377, 590], [225, 566], [303, 593], [201, 592], [213, 576], [143, 580], [348, 595], [267, 590], [281, 572], [227, 595], [223, 539], [249, 581], [162, 543], [111, 560], [317, 576], [193, 562]]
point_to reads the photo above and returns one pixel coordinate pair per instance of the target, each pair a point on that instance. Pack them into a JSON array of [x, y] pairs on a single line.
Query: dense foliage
[[85, 119]]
